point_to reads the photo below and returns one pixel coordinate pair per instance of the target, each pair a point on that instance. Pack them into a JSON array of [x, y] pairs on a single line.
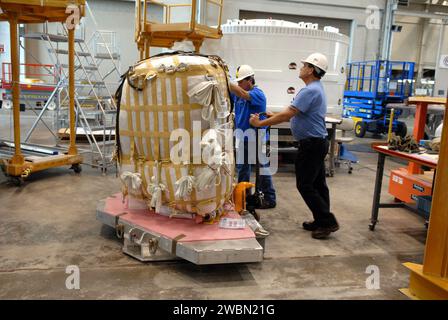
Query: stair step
[[105, 56], [101, 128], [61, 51], [48, 36], [77, 67], [108, 143], [99, 112], [93, 98], [86, 83]]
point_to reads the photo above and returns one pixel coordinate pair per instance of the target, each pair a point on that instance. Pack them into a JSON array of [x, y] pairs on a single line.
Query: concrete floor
[[49, 224]]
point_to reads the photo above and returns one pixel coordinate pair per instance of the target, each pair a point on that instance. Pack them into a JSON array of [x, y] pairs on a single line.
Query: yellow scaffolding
[[39, 11], [166, 32]]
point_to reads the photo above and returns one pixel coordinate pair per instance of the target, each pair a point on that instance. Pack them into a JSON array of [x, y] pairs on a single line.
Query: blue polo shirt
[[309, 122], [244, 108]]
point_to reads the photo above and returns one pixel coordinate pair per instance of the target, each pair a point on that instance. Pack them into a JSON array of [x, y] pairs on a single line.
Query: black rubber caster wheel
[[76, 168], [17, 181], [371, 227]]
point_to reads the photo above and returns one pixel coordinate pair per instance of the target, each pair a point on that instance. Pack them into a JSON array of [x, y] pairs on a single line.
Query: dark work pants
[[310, 179], [244, 170]]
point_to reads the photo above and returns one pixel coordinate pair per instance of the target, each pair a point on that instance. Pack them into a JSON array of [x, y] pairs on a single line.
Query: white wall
[[5, 57], [405, 43]]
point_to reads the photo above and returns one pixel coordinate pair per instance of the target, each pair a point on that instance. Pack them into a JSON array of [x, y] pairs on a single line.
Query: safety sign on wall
[[444, 61]]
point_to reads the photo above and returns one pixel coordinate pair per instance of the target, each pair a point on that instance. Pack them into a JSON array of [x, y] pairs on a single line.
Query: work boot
[[266, 205], [310, 225], [324, 232]]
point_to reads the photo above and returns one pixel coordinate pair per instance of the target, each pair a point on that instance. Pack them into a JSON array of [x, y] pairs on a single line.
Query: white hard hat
[[244, 71], [317, 60]]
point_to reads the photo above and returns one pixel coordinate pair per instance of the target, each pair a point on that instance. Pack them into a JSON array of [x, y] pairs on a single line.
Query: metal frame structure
[[370, 87], [37, 11], [166, 32], [95, 106]]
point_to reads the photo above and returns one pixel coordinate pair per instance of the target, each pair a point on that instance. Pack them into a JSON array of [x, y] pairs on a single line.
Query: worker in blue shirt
[[249, 99], [307, 114]]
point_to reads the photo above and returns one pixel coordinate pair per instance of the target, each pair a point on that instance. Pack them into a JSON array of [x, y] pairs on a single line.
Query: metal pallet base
[[150, 245]]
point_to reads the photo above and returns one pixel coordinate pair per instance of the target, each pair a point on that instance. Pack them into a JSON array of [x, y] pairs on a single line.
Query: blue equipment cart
[[370, 86]]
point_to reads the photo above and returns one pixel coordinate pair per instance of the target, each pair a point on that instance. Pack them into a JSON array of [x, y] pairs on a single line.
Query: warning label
[[397, 179]]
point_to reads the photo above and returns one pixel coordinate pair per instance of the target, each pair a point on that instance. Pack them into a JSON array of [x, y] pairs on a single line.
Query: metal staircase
[[96, 78]]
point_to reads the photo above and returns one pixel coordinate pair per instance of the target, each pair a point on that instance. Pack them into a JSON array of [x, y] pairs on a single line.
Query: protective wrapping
[[158, 98]]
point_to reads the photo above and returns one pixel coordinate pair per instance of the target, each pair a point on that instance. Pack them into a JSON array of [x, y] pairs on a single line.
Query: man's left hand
[[255, 120]]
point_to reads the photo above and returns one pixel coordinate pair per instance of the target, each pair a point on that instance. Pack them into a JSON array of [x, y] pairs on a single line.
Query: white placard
[[443, 63]]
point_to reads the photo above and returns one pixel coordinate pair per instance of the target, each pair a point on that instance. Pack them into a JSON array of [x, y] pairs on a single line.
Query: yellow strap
[[192, 70], [195, 203], [169, 183], [218, 194], [156, 120], [228, 186], [127, 161], [177, 170], [143, 175], [138, 126], [176, 123], [166, 146], [187, 119], [147, 127], [156, 108], [130, 126]]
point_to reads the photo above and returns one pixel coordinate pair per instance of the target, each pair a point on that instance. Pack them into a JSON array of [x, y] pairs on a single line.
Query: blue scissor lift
[[371, 85]]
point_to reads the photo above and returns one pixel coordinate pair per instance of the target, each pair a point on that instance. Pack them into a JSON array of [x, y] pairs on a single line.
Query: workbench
[[402, 188], [428, 160]]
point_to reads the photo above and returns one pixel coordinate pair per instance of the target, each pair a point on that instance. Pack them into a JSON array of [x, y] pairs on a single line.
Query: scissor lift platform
[[153, 237]]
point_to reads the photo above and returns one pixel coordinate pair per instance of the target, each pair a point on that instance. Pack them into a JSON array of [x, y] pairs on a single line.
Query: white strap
[[184, 186], [132, 180], [155, 189]]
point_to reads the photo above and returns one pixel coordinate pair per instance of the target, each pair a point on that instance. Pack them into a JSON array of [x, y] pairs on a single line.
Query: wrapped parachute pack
[[175, 135]]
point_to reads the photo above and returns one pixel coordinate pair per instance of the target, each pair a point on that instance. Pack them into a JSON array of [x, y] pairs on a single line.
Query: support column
[[421, 50], [18, 158], [419, 132], [147, 48], [71, 90], [197, 45]]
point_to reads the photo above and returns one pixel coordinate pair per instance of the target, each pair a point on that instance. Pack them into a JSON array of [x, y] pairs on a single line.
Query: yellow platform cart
[[18, 166], [162, 23]]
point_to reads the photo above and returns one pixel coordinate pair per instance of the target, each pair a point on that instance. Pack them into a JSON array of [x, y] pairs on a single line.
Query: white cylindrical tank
[[274, 49]]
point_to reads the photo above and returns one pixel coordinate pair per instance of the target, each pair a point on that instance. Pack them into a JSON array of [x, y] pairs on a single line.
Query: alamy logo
[[374, 17], [373, 281], [72, 282], [73, 19]]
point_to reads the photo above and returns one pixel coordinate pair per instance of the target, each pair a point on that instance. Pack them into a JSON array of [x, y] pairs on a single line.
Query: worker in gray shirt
[[307, 114]]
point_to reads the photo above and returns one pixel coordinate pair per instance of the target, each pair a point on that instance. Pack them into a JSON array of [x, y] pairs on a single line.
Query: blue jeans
[[244, 170]]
